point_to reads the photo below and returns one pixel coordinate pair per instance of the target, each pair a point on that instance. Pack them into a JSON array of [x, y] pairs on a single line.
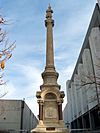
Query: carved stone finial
[[49, 12]]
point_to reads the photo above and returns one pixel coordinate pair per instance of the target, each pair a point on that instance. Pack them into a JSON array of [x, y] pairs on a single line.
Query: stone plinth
[[56, 128], [50, 100]]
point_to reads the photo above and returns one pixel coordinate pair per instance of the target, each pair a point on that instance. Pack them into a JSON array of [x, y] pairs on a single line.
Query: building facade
[[83, 89], [15, 116]]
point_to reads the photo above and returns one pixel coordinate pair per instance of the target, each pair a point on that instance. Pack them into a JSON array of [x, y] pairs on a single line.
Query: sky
[[26, 27]]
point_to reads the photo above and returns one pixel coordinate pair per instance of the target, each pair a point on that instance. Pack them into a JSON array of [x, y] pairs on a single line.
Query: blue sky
[[26, 26]]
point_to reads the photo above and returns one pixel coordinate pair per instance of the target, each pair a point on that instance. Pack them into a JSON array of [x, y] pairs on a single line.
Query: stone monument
[[50, 98]]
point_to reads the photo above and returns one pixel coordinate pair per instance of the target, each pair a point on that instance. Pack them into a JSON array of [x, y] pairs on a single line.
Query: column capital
[[40, 102], [60, 102], [49, 19]]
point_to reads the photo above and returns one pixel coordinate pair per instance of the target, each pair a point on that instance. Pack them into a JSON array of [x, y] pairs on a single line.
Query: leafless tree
[[6, 49], [93, 79]]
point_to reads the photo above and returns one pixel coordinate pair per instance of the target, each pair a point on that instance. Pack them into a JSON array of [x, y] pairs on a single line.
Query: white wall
[[94, 41], [90, 88], [10, 113], [29, 120], [82, 98], [98, 2]]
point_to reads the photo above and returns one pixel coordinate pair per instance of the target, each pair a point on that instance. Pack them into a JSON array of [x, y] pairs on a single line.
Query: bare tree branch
[[5, 50]]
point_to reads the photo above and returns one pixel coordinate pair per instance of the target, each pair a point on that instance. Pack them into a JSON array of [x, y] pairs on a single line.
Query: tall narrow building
[[50, 98]]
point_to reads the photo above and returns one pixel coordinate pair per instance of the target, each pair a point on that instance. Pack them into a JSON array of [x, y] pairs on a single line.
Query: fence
[[84, 131], [14, 131]]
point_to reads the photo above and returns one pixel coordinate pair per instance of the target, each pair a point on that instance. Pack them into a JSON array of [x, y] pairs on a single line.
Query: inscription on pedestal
[[50, 112]]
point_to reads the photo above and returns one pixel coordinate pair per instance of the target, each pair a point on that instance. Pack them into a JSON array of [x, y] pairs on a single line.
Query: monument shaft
[[50, 98]]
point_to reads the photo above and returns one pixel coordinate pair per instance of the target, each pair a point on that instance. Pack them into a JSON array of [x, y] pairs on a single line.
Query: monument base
[[43, 130], [56, 128]]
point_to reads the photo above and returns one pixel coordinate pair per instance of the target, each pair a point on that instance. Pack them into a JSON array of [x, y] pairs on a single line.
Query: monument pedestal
[[56, 128]]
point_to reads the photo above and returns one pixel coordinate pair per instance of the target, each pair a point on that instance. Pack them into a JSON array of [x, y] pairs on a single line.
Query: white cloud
[[32, 103], [65, 74], [33, 78], [61, 56], [71, 19]]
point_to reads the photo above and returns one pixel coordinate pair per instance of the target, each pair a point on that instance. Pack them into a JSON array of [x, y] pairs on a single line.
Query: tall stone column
[[50, 75], [50, 97], [60, 111], [40, 111], [49, 23]]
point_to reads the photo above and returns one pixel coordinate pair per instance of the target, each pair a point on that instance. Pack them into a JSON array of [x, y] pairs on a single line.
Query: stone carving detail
[[50, 96], [50, 112]]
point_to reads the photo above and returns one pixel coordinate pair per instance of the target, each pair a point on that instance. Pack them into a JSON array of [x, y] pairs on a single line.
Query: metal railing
[[14, 131], [83, 131]]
